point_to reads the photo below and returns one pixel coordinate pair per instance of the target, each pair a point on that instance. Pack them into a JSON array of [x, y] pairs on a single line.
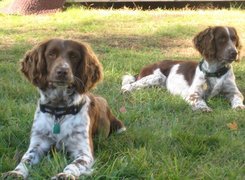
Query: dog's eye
[[233, 38], [222, 39], [73, 55], [52, 55]]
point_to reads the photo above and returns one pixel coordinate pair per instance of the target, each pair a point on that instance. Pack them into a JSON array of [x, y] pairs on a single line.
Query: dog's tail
[[117, 126]]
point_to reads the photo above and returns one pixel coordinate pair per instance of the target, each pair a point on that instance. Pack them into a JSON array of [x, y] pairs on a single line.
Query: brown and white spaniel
[[219, 47], [67, 116]]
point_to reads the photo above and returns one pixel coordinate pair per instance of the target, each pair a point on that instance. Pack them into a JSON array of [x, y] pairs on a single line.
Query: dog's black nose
[[233, 54], [62, 72]]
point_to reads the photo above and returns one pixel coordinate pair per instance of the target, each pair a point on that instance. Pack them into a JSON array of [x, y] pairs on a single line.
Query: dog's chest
[[69, 125], [215, 85]]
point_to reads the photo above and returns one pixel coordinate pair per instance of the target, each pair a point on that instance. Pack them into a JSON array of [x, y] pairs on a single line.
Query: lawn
[[165, 139]]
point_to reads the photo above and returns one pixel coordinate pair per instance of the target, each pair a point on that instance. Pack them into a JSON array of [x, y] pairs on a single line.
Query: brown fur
[[92, 73], [187, 68], [206, 43], [238, 43], [35, 65], [103, 122], [165, 67]]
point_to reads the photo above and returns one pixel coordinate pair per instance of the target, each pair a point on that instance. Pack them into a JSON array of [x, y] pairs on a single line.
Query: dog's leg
[[155, 79], [39, 145], [233, 94], [196, 93], [128, 79], [237, 101], [80, 147], [82, 165], [197, 102]]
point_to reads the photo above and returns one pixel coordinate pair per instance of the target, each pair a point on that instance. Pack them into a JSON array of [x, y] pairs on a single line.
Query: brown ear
[[238, 44], [33, 65], [89, 71], [205, 44]]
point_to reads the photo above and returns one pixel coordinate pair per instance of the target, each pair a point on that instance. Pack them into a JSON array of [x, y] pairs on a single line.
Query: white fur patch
[[155, 79], [119, 131], [176, 83], [127, 79]]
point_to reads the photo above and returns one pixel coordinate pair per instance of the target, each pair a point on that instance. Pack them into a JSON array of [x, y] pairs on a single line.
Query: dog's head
[[218, 44], [60, 62]]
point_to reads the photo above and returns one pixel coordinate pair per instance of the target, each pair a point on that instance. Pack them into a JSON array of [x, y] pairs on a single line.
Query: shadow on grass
[[165, 44], [172, 40]]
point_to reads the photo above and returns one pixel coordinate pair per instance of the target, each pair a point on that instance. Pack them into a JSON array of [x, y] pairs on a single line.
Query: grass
[[165, 139]]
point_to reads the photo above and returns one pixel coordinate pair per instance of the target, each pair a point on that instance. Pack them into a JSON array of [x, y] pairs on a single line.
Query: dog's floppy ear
[[205, 44], [89, 71], [238, 44], [33, 65]]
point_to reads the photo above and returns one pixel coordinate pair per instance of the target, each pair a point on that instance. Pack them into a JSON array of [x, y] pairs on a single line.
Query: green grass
[[164, 138]]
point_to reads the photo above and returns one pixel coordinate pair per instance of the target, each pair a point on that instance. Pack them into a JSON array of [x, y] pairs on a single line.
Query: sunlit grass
[[165, 139]]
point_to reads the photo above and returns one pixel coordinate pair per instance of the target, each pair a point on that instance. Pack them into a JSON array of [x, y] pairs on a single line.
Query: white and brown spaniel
[[67, 116], [219, 47]]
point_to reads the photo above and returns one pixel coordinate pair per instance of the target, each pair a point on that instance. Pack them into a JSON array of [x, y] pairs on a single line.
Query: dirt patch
[[168, 46]]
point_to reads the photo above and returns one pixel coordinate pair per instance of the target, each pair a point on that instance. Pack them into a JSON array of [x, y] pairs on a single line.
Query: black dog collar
[[220, 72], [61, 111]]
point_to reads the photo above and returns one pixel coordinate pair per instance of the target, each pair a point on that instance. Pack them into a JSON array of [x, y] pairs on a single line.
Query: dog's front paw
[[64, 176], [240, 107], [206, 109], [202, 109], [13, 175], [126, 88]]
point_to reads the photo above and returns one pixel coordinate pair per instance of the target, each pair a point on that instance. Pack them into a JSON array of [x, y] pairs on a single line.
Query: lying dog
[[66, 115], [219, 47]]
